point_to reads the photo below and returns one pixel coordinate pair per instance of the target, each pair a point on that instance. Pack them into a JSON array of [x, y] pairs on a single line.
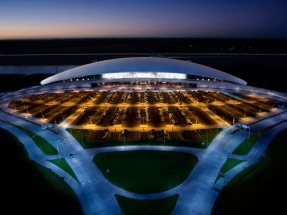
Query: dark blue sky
[[144, 18]]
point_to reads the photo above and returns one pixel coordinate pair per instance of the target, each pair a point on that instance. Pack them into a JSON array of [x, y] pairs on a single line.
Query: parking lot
[[137, 109]]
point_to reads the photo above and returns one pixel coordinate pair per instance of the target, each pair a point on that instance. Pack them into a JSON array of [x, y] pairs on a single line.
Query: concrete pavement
[[197, 193]]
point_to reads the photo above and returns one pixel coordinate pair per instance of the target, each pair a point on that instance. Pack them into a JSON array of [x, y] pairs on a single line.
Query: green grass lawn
[[29, 187], [43, 145], [259, 189], [62, 163], [200, 136], [145, 171], [228, 165], [147, 207], [248, 143]]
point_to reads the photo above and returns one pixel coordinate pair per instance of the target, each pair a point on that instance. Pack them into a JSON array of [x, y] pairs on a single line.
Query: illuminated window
[[144, 75]]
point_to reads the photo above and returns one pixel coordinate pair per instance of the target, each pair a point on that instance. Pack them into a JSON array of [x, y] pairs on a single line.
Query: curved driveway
[[97, 196]]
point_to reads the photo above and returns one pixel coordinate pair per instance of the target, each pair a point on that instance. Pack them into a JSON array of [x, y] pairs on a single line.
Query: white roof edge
[[143, 64]]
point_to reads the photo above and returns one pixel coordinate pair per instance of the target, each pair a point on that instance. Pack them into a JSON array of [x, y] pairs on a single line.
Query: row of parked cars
[[163, 133], [112, 97], [148, 115], [185, 95], [129, 96], [106, 134], [161, 98], [83, 112], [138, 114], [115, 117], [200, 96], [138, 97], [159, 113], [145, 97], [103, 116], [126, 113], [172, 117], [154, 95], [123, 97], [186, 119], [124, 133], [173, 96]]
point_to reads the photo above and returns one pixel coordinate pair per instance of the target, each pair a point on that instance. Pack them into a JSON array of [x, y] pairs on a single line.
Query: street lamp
[[61, 143], [227, 116], [42, 114], [82, 138], [225, 175], [63, 116], [58, 151]]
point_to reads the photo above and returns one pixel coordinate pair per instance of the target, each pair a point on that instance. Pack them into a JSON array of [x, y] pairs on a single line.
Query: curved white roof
[[143, 64]]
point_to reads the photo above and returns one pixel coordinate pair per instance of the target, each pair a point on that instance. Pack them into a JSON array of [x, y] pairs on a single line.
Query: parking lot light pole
[[227, 116], [42, 114], [63, 116], [82, 138]]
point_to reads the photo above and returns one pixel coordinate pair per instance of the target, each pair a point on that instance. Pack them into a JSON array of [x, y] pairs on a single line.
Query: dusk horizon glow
[[33, 19]]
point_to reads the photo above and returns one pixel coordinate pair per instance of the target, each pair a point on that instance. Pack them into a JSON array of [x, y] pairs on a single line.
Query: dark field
[[27, 182], [262, 63]]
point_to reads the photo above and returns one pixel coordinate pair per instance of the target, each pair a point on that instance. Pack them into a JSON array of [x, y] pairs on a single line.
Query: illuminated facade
[[153, 75], [145, 69]]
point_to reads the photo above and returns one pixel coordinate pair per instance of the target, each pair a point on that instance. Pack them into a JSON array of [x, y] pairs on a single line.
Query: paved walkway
[[197, 193]]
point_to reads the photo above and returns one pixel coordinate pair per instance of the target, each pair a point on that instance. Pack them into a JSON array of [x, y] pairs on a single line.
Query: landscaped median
[[246, 145], [228, 165], [43, 145], [196, 138], [145, 171], [62, 163], [260, 188], [162, 206]]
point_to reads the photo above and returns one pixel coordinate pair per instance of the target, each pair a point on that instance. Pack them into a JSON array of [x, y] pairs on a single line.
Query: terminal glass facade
[[144, 75]]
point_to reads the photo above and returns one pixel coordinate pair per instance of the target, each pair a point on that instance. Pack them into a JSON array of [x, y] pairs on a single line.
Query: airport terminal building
[[144, 70]]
